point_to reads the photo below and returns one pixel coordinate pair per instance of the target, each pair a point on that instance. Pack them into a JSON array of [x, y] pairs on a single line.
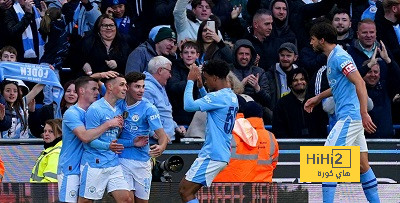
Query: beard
[[341, 33], [299, 91]]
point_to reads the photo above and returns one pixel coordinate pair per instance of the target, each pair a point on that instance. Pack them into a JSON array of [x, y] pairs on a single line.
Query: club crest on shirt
[[135, 117]]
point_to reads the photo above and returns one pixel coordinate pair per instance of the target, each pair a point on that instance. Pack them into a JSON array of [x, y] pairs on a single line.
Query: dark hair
[[66, 85], [218, 68], [190, 44], [10, 49], [56, 126], [365, 21], [213, 46], [116, 43], [198, 2], [260, 12], [82, 81], [339, 11], [17, 105], [293, 73], [325, 31], [134, 77]]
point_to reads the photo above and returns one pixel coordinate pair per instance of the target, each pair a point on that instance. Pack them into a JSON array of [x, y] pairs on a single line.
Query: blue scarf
[[370, 11], [27, 36], [34, 73], [124, 24]]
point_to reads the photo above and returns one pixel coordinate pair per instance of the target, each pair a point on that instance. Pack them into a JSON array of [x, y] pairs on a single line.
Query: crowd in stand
[[266, 43]]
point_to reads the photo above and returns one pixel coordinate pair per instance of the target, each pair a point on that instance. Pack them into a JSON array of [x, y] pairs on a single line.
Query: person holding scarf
[[22, 23]]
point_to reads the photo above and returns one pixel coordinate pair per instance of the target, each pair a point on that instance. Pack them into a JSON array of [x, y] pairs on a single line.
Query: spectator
[[211, 45], [290, 120], [365, 45], [5, 118], [382, 83], [280, 26], [187, 24], [8, 53], [37, 117], [4, 5], [16, 105], [387, 27], [250, 138], [163, 44], [277, 76], [125, 26], [84, 17], [252, 77], [342, 23], [53, 32], [159, 72], [266, 47], [164, 12], [177, 83], [22, 23], [104, 49], [45, 169]]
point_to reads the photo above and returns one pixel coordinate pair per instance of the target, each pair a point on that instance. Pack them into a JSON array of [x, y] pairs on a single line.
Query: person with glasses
[[102, 50], [159, 71]]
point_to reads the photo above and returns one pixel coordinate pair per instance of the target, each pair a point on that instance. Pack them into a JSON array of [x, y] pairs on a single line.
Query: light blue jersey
[[142, 117], [340, 64], [97, 114], [221, 107], [72, 148]]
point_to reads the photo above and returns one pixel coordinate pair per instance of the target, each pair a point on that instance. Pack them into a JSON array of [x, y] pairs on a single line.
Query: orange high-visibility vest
[[243, 165], [243, 161], [268, 152], [1, 170]]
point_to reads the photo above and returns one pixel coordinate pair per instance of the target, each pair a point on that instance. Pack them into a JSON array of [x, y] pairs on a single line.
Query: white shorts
[[204, 170], [68, 187], [347, 132], [138, 175], [94, 181]]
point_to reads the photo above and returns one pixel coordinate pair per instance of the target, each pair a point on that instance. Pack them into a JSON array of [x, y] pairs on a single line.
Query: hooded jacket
[[282, 30], [263, 97]]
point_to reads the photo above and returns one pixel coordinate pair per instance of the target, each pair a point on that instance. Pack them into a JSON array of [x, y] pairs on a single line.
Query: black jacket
[[5, 124], [175, 89], [290, 120]]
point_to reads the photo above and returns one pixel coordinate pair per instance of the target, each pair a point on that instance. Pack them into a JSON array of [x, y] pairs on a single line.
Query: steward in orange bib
[[254, 150]]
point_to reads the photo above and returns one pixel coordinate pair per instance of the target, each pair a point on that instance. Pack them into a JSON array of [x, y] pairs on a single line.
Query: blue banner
[[41, 74]]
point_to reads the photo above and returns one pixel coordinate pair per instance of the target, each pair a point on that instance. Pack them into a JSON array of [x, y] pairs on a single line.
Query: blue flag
[[40, 74]]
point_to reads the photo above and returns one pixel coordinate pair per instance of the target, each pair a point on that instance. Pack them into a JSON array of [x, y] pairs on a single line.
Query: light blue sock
[[370, 186], [328, 192], [195, 200]]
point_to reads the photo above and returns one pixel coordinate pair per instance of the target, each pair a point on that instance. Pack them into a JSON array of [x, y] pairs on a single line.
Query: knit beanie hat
[[164, 33]]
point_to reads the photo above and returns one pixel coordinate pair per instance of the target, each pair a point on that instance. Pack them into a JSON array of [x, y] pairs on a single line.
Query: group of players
[[96, 155], [105, 141]]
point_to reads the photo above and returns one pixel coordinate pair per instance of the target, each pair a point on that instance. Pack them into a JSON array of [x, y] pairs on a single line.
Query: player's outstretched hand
[[141, 141], [156, 150], [116, 147], [369, 126], [311, 103]]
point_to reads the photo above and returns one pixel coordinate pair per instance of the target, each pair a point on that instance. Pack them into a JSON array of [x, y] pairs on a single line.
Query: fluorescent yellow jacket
[[45, 169]]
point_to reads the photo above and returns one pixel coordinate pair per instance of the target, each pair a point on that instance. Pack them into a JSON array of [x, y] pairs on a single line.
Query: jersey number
[[230, 121]]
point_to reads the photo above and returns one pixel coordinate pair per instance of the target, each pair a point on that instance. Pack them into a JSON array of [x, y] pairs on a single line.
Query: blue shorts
[[204, 170]]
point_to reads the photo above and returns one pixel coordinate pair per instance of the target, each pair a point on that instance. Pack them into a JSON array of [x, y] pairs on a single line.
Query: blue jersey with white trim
[[142, 118], [72, 147], [97, 114], [340, 64]]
